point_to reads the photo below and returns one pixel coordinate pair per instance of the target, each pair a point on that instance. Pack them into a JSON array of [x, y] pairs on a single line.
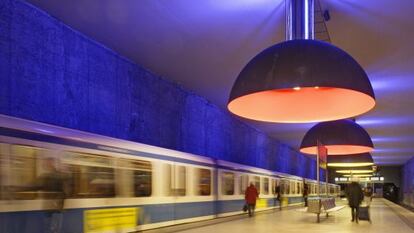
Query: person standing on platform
[[251, 196], [278, 197], [305, 194], [368, 195], [355, 196]]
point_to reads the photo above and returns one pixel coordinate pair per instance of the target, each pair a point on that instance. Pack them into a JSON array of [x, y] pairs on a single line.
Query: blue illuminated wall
[[53, 74], [408, 183]]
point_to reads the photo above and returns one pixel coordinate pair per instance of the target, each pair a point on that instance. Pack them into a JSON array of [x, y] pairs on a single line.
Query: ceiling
[[204, 44]]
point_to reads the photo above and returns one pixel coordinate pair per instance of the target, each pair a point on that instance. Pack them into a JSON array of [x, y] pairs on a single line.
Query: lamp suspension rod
[[299, 19]]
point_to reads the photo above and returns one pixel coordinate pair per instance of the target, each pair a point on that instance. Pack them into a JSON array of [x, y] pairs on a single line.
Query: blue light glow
[[369, 121], [243, 4], [393, 150], [389, 157], [383, 83], [383, 121], [391, 139]]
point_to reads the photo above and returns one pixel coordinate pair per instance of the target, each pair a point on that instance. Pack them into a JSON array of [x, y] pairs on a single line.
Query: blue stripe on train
[[36, 221]]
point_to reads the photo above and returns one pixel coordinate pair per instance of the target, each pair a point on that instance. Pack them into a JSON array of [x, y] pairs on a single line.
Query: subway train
[[113, 185]]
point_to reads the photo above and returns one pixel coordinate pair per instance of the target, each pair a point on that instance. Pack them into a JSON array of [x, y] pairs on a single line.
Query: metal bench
[[328, 204]]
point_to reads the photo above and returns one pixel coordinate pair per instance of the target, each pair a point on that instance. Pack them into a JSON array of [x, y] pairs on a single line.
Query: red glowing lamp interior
[[339, 149], [302, 104]]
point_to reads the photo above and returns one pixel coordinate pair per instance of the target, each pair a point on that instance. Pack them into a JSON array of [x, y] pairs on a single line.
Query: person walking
[[251, 196], [355, 196]]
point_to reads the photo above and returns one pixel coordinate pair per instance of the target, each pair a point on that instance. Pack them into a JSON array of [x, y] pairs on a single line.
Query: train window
[[292, 187], [93, 175], [227, 183], [298, 189], [203, 182], [285, 187], [21, 169], [178, 180], [302, 187], [243, 183], [274, 185], [288, 188], [3, 169], [142, 178], [282, 187], [256, 182], [136, 177], [265, 185]]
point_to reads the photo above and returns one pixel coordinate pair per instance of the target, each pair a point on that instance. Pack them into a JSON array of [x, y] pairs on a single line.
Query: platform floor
[[386, 217]]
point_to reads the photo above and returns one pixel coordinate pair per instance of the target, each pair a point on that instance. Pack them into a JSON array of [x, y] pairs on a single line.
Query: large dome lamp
[[301, 79], [339, 137]]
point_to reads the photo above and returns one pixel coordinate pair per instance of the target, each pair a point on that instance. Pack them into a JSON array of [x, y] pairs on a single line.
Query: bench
[[328, 204]]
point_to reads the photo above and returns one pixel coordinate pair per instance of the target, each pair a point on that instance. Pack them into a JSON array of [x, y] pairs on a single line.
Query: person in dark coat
[[355, 196], [278, 196], [305, 194], [251, 196]]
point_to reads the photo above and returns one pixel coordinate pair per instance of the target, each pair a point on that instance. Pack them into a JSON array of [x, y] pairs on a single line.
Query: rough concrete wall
[[53, 74]]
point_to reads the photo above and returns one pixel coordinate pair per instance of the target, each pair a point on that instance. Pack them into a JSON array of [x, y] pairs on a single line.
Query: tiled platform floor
[[386, 217]]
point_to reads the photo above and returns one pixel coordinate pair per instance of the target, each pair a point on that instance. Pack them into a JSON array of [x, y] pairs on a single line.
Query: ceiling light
[[353, 171], [349, 164], [339, 137], [359, 175], [266, 88], [354, 160]]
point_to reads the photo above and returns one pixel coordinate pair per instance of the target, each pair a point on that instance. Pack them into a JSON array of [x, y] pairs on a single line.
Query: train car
[[113, 185]]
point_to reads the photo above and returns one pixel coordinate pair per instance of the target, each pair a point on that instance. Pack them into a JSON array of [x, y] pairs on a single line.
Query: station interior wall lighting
[[301, 80]]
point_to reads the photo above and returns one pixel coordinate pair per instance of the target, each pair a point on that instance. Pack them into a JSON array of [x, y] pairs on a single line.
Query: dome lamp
[[339, 137], [301, 80]]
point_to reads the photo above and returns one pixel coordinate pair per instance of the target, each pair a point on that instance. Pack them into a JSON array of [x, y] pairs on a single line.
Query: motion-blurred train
[[116, 182]]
